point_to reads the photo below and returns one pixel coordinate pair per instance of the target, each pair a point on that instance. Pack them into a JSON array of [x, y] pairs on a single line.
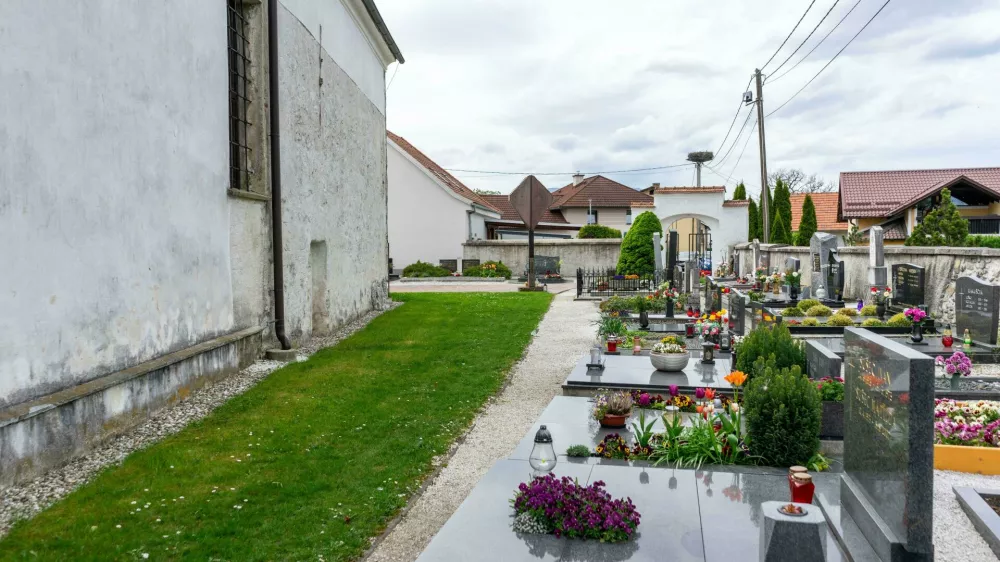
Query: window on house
[[592, 217], [628, 216], [239, 97]]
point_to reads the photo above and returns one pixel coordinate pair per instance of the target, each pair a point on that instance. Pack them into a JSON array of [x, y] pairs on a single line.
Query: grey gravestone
[[878, 276], [792, 264], [908, 282], [450, 265], [756, 253], [977, 308], [822, 246], [821, 361], [657, 252], [737, 312], [786, 538], [466, 264], [888, 482]]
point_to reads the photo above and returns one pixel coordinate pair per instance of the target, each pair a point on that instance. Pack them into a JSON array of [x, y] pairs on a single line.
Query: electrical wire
[[745, 144], [500, 173], [821, 41], [789, 35], [735, 140], [831, 60], [394, 71], [827, 14], [738, 109]]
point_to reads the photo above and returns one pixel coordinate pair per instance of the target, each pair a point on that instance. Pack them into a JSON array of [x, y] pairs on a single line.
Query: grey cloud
[[492, 148], [965, 50], [565, 144]]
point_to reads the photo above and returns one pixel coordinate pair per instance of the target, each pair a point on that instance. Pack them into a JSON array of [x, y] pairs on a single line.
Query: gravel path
[[564, 334], [955, 539], [27, 499]]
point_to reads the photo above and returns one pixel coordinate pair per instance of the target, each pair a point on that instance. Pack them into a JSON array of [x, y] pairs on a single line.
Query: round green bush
[[868, 310], [872, 323], [899, 321], [637, 255], [598, 231], [782, 409], [818, 310], [792, 312], [578, 451], [847, 312], [421, 269], [774, 341], [616, 304], [808, 303], [810, 322], [839, 320]]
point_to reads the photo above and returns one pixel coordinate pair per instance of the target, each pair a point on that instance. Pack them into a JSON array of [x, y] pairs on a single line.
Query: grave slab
[[631, 372]]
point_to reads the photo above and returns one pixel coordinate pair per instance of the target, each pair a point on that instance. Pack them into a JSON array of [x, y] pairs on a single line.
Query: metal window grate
[[239, 100]]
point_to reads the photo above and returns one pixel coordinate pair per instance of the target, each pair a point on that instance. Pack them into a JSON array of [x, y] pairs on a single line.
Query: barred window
[[239, 98]]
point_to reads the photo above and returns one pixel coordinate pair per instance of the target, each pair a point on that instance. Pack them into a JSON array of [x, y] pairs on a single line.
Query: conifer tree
[[740, 194], [637, 256], [779, 233], [943, 226], [807, 226], [754, 220]]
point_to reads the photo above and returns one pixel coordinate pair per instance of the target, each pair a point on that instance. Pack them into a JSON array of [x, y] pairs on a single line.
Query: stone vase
[[880, 311], [954, 382], [644, 319], [668, 310]]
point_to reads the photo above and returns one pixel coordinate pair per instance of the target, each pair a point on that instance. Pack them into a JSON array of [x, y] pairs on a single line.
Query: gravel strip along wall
[[955, 539], [564, 334], [27, 499]]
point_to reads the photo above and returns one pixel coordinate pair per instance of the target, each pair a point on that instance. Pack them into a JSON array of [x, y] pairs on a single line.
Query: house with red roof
[[827, 218], [898, 200]]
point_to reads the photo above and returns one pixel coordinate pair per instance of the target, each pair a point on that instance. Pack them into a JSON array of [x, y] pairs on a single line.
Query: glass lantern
[[708, 352], [543, 454]]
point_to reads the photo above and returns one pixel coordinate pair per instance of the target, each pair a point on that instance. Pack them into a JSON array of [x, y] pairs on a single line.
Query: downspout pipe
[[275, 123]]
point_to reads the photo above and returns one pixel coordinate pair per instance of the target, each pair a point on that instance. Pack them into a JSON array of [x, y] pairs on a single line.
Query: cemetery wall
[[574, 253]]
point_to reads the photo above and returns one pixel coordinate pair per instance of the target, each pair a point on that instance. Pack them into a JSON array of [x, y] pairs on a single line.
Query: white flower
[[145, 555]]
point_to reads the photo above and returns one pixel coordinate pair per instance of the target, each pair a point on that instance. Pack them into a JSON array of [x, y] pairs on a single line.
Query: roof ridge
[[997, 168]]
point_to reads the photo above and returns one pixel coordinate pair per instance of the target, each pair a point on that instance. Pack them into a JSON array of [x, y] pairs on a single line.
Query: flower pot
[[793, 292], [644, 319], [668, 310], [880, 311], [832, 421], [613, 421], [776, 289], [917, 333], [669, 361], [954, 382]]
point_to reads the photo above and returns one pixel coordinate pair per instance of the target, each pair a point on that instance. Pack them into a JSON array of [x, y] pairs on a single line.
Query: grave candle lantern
[[946, 338], [543, 454], [967, 338], [689, 330], [708, 352]]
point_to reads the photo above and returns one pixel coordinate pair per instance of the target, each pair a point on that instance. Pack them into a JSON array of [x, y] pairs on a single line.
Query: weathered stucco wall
[[114, 167], [573, 253]]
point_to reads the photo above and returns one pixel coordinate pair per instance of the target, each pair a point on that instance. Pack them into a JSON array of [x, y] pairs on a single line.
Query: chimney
[[656, 185], [577, 178]]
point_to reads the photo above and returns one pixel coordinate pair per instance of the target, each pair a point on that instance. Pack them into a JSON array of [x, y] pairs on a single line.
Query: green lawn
[[314, 460]]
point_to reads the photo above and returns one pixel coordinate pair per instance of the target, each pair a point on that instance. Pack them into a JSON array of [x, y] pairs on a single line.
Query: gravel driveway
[[564, 334]]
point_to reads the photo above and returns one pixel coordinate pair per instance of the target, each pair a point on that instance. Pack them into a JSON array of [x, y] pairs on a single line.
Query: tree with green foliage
[[760, 211], [943, 226], [740, 194], [782, 208], [783, 414], [637, 256], [754, 220], [807, 226], [853, 237], [598, 231], [780, 234]]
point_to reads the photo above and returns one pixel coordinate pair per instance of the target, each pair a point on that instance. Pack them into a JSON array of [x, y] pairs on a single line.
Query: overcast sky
[[593, 85]]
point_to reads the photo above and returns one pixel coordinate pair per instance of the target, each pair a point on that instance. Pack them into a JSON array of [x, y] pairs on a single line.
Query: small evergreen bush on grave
[[578, 451], [899, 321], [839, 320], [868, 310], [792, 312], [818, 310], [421, 269], [808, 303], [847, 312], [775, 341], [810, 322], [598, 231], [782, 408], [872, 323]]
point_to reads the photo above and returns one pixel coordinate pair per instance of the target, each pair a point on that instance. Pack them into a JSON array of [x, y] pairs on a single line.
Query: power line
[[827, 14], [828, 33], [738, 109], [394, 71], [831, 60], [745, 144], [789, 35], [735, 140], [499, 173]]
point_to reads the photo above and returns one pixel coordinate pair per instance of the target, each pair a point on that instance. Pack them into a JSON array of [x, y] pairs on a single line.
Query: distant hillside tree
[[943, 226], [807, 226], [637, 256]]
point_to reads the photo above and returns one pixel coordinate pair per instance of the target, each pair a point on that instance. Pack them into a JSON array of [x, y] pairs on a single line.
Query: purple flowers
[[699, 393], [958, 364], [972, 424], [674, 391], [565, 508], [915, 315]]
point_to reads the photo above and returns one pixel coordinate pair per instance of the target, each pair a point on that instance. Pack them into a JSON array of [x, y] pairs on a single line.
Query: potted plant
[[609, 327], [670, 354], [612, 409], [776, 282], [916, 316], [761, 275], [831, 392], [882, 296], [642, 304], [794, 279], [958, 365]]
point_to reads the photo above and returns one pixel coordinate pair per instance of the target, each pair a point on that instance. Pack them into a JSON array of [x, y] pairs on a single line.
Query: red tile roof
[[737, 203], [892, 230], [883, 194], [598, 191], [826, 211], [439, 172], [644, 204], [507, 212], [705, 189]]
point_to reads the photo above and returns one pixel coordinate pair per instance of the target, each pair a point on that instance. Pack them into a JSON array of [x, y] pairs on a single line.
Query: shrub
[[868, 310], [616, 304], [830, 390], [810, 322], [599, 231], [899, 321], [637, 256], [783, 411], [983, 241], [807, 226], [818, 310], [943, 226], [770, 340], [578, 451], [808, 303], [489, 269], [872, 323], [839, 320], [847, 312], [792, 312], [421, 269]]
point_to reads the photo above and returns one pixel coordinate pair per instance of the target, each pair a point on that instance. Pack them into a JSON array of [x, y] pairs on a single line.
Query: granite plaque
[[546, 264], [450, 265], [466, 264], [908, 282], [657, 252], [977, 309], [815, 263], [671, 264], [837, 277], [888, 481]]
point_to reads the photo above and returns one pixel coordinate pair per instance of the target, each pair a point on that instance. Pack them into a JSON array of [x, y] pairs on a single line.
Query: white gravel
[[955, 539], [25, 500], [564, 334]]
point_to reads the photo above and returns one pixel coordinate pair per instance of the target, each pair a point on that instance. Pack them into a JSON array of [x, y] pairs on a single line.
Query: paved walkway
[[564, 334]]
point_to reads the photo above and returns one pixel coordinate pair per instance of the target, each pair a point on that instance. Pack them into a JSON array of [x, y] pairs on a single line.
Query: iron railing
[[984, 225], [605, 282]]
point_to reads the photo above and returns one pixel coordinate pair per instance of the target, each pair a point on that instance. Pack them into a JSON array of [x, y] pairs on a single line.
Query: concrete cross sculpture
[[531, 200]]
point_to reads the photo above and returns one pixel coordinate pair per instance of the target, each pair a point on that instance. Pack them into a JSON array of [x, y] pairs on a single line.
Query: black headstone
[[888, 481], [837, 278], [672, 257], [908, 282], [977, 309], [737, 312], [450, 265]]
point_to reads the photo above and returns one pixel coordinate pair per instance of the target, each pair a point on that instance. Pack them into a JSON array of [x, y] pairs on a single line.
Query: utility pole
[[765, 212], [697, 167]]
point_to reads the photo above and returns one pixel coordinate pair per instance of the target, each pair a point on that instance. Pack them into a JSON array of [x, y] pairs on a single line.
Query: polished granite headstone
[[977, 308], [888, 482], [908, 282], [821, 361], [737, 312], [450, 265], [821, 247], [630, 372]]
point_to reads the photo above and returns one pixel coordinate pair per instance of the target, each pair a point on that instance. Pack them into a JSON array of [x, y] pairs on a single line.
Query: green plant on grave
[[806, 304], [839, 320], [847, 312], [830, 389], [899, 321], [642, 431], [608, 325], [767, 340], [598, 231], [782, 408], [616, 304], [810, 322], [818, 463], [943, 226], [578, 451], [818, 310], [422, 269], [642, 303], [491, 269], [869, 310], [792, 312], [637, 256], [872, 323]]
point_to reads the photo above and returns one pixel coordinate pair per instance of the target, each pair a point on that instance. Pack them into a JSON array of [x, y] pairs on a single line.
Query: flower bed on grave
[[565, 508], [967, 436]]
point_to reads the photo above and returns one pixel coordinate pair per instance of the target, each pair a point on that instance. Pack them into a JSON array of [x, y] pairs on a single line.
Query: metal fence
[[605, 282], [984, 225]]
